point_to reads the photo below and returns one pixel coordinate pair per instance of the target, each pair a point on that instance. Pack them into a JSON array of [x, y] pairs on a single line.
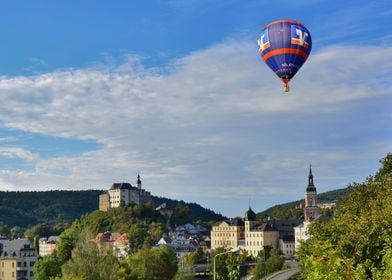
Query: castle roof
[[121, 186]]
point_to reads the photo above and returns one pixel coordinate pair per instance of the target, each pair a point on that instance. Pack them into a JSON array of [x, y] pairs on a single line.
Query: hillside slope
[[24, 209], [287, 210]]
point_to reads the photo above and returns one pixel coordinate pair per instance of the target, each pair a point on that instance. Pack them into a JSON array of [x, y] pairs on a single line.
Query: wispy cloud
[[216, 117]]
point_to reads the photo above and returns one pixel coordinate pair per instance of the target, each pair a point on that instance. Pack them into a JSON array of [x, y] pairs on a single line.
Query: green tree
[[232, 265], [87, 264], [150, 264], [47, 268], [269, 261], [42, 230], [355, 243], [196, 257], [137, 233], [181, 215]]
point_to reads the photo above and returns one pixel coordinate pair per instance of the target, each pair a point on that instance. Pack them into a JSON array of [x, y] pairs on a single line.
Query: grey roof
[[286, 225], [288, 238], [121, 186], [266, 227], [235, 222]]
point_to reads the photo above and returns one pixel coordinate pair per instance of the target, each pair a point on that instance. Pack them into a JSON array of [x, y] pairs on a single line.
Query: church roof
[[311, 187], [250, 215]]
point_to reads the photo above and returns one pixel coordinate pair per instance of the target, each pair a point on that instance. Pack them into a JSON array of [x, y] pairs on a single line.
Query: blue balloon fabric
[[284, 46]]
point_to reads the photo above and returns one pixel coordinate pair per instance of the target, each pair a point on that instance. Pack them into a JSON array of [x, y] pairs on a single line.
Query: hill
[[24, 209], [288, 210]]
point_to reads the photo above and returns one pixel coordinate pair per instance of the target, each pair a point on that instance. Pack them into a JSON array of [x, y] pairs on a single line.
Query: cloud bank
[[212, 124]]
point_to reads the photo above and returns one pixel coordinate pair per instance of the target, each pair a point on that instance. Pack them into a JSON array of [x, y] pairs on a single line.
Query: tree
[[356, 243], [181, 215], [47, 268], [150, 264], [87, 264], [196, 257], [137, 233], [269, 261]]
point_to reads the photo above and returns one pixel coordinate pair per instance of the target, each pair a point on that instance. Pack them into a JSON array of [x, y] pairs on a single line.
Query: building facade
[[18, 257], [258, 236], [124, 194], [246, 234], [47, 245], [287, 246], [7, 269], [227, 234]]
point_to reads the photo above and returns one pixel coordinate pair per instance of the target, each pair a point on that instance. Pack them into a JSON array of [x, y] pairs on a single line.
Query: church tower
[[250, 219], [311, 210]]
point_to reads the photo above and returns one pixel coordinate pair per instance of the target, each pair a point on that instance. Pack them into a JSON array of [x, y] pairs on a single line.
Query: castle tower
[[311, 210], [138, 182]]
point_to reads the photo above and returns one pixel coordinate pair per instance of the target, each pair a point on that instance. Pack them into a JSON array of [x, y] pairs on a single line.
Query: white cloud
[[21, 153], [216, 117]]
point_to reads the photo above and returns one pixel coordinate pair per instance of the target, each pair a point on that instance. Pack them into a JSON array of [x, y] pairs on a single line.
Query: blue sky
[[93, 92]]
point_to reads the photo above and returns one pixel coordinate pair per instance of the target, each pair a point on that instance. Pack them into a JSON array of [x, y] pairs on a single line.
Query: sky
[[95, 92]]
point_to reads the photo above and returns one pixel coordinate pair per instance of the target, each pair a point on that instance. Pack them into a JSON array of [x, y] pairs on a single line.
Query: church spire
[[311, 186]]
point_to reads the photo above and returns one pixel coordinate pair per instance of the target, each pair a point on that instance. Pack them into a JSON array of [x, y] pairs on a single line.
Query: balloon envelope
[[284, 46]]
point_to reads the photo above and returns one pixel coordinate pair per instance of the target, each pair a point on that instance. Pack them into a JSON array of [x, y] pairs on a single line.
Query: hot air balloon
[[284, 46]]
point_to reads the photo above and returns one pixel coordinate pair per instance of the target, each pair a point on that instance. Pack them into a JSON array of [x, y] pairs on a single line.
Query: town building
[[7, 269], [228, 234], [17, 258], [124, 194], [287, 246], [253, 236], [311, 212], [259, 236], [112, 243], [47, 245], [180, 248]]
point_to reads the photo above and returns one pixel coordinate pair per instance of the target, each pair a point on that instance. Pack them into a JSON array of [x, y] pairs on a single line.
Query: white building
[[25, 256], [287, 246], [301, 233], [47, 245], [124, 194]]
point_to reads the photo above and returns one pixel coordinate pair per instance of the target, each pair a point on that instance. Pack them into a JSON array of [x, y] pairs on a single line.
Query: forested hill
[[288, 211], [25, 209]]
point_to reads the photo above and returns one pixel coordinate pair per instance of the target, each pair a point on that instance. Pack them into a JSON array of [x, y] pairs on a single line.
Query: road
[[283, 275]]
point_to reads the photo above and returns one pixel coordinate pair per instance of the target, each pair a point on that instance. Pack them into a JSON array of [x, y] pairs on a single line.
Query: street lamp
[[234, 250]]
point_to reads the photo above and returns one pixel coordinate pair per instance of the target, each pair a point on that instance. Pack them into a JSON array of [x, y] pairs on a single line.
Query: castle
[[123, 194]]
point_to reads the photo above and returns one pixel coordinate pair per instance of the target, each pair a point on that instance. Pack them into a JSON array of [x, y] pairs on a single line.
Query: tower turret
[[138, 182]]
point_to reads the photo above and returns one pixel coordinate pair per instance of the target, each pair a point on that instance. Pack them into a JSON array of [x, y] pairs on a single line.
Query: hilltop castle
[[123, 194]]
